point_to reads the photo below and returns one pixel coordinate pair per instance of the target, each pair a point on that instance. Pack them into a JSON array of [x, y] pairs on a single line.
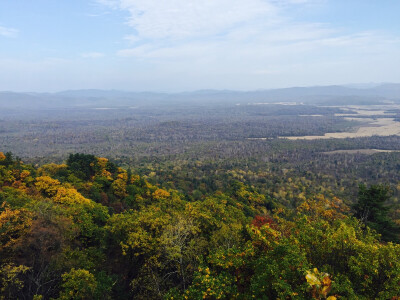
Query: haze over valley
[[215, 149]]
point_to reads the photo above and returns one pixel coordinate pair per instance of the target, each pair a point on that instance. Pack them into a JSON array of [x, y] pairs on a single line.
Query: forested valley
[[201, 200]]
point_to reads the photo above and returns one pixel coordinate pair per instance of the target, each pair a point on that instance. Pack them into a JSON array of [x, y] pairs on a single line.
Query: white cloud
[[8, 32], [244, 44], [132, 38], [92, 55], [175, 26], [178, 19]]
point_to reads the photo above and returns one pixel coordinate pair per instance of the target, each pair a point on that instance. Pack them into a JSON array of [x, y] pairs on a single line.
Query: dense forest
[[200, 201], [89, 229]]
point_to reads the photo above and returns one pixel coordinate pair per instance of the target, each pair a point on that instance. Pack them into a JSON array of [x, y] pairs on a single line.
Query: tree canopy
[[89, 229]]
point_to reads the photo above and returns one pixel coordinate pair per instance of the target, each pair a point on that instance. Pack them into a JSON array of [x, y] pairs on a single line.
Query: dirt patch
[[368, 126], [378, 127]]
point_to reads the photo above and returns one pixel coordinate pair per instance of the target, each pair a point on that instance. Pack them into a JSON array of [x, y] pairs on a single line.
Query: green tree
[[82, 165], [10, 282], [372, 210], [78, 284]]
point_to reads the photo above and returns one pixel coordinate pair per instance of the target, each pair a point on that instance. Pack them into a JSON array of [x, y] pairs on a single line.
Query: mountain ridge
[[119, 98]]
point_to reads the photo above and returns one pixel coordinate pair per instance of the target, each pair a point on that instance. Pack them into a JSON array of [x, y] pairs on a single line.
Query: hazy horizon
[[180, 45], [359, 86]]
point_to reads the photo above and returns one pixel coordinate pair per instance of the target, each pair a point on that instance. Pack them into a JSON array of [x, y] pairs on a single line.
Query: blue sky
[[181, 45]]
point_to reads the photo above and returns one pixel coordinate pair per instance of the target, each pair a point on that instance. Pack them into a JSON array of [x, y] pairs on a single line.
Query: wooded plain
[[288, 194]]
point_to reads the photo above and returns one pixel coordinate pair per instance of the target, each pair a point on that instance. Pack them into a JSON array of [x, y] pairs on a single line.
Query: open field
[[368, 126]]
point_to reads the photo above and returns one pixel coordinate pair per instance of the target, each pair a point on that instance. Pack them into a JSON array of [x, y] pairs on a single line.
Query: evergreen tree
[[372, 210]]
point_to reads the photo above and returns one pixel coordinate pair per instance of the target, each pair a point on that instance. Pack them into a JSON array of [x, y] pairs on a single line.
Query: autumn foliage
[[89, 229]]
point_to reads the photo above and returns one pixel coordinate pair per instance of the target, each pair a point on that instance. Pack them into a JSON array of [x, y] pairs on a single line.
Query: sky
[[185, 45]]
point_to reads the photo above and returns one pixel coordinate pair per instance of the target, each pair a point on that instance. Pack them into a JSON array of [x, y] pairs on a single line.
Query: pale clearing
[[368, 126], [360, 151]]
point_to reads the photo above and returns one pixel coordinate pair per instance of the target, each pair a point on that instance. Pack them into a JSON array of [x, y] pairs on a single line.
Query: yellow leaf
[[326, 281], [312, 279], [325, 290]]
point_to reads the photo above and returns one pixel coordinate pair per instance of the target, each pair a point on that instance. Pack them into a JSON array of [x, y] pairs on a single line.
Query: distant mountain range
[[326, 95]]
